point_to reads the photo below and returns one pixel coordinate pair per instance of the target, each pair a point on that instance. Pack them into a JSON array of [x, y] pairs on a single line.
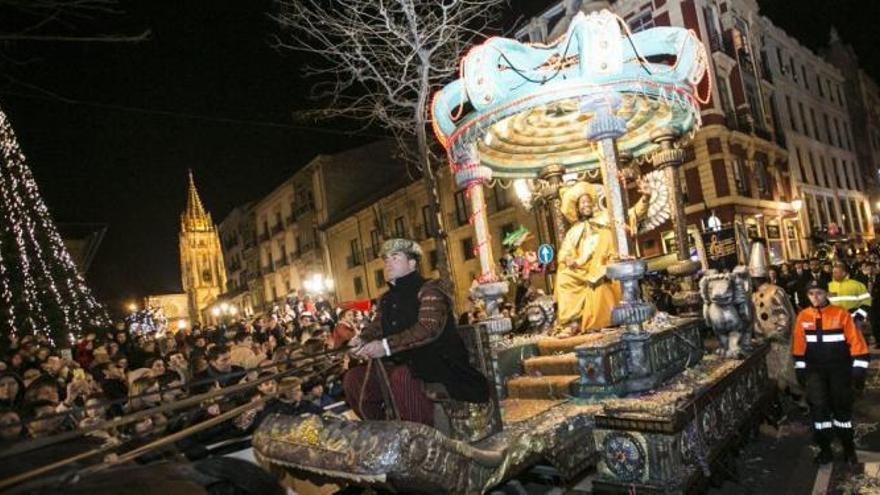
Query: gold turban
[[570, 196]]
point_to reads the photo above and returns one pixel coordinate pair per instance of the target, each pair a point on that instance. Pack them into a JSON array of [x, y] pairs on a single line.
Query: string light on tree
[[40, 287]]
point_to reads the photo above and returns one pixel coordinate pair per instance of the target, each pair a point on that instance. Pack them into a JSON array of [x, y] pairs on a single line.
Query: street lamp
[[797, 204], [215, 311], [317, 283], [132, 307], [181, 324]]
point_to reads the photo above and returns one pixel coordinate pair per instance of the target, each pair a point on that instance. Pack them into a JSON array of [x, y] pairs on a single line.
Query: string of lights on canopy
[[519, 102]]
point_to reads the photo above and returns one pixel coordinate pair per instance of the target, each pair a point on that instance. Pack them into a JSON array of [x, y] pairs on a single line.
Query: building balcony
[[302, 210], [278, 227]]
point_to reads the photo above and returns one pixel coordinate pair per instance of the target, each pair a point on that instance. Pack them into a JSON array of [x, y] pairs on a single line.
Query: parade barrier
[[41, 443]]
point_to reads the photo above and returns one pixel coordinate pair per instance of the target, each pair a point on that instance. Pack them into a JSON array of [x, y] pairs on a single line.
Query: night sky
[[206, 92]]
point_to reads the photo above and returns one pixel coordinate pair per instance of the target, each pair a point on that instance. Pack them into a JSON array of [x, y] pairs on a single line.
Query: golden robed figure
[[584, 294]]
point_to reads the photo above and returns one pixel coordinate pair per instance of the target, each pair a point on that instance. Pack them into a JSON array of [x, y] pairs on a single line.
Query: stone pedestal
[[628, 362]]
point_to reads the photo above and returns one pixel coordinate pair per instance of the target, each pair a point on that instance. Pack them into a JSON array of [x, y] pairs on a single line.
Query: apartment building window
[[830, 91], [837, 136], [462, 209], [800, 162], [804, 73], [278, 220], [399, 227], [856, 214], [792, 67], [846, 135], [824, 213], [641, 21], [375, 239], [779, 59], [502, 198], [433, 259], [358, 286], [794, 124], [804, 119], [840, 96], [355, 254], [427, 221], [819, 85], [813, 171], [467, 248], [828, 182], [845, 220], [837, 173], [815, 127], [828, 135], [379, 278], [740, 176]]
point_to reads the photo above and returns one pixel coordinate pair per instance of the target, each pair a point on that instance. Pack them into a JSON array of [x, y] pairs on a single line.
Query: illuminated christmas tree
[[40, 287]]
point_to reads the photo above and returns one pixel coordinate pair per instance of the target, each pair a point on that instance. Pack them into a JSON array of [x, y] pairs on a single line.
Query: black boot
[[849, 446], [823, 440]]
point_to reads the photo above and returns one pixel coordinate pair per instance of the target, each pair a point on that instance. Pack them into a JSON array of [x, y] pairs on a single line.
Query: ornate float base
[[667, 442], [623, 363], [412, 458]]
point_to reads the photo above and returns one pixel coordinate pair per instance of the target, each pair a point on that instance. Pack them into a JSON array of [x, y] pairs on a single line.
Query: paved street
[[780, 461]]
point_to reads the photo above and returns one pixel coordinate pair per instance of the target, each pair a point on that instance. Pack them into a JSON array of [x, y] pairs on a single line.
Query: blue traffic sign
[[545, 253]]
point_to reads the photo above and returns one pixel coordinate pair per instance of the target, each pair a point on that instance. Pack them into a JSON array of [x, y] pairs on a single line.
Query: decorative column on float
[[471, 175], [552, 176], [669, 159], [603, 128]]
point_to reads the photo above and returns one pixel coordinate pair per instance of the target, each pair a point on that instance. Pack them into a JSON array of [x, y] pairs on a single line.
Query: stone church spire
[[195, 218], [202, 271]]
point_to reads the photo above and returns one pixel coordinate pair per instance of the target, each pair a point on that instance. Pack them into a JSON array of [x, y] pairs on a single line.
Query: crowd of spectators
[[110, 373]]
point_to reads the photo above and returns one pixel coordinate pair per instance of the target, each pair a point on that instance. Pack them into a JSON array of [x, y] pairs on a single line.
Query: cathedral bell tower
[[201, 260]]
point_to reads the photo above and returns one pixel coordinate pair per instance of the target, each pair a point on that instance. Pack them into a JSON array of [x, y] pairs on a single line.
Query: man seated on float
[[584, 294], [415, 336]]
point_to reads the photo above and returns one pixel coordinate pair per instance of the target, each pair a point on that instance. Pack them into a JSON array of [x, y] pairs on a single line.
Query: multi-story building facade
[[862, 97], [238, 238], [354, 240], [203, 274], [811, 105], [737, 166], [275, 241], [291, 246]]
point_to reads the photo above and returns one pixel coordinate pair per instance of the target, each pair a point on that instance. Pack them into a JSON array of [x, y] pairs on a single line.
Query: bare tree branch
[[380, 62], [34, 20], [112, 38]]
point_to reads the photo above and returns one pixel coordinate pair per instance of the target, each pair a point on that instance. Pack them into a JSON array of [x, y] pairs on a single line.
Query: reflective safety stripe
[[800, 364], [860, 297], [842, 424], [826, 338], [860, 363], [824, 425]]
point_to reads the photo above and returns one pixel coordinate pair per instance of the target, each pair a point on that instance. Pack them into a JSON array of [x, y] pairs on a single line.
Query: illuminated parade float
[[613, 388]]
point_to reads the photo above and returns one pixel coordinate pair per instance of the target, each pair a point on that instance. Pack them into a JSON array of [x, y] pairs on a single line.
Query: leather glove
[[373, 349]]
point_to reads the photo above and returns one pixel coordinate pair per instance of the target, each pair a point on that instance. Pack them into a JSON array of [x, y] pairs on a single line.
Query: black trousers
[[830, 395]]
